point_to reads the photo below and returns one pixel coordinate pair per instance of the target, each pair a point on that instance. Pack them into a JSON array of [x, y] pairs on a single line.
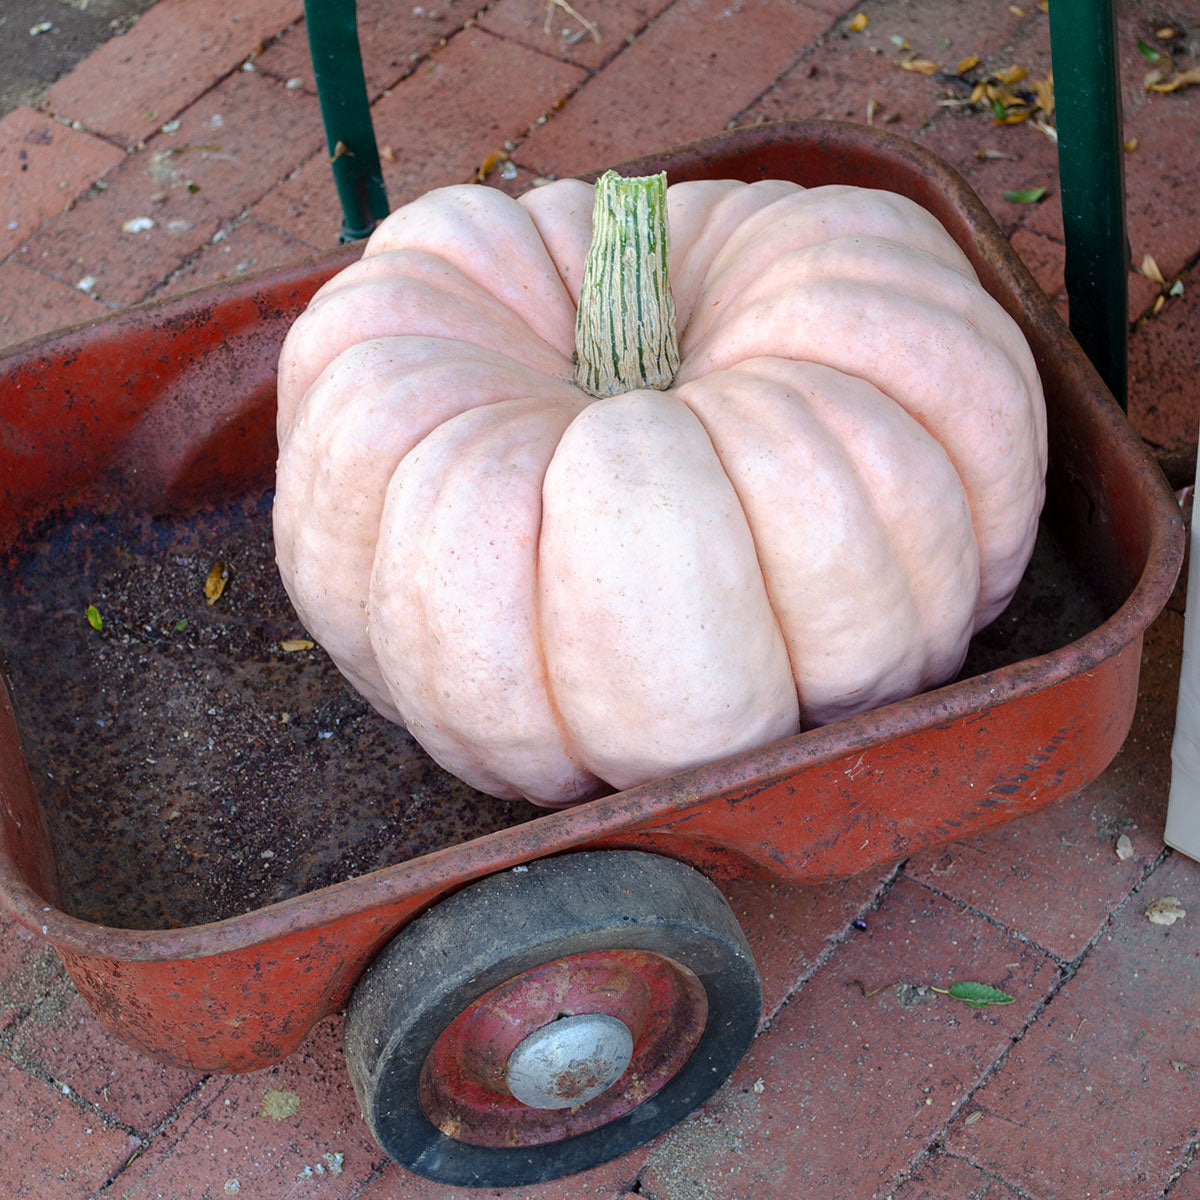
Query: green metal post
[[1091, 165], [346, 113]]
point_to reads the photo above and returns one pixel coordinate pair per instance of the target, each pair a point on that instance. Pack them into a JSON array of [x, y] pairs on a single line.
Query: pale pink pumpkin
[[558, 592]]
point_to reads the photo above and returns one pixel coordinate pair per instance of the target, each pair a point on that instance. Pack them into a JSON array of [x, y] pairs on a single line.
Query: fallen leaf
[[214, 585], [1165, 34], [94, 619], [967, 64], [988, 152], [859, 22], [1181, 80], [1149, 53], [1149, 268], [1124, 847], [1025, 195], [279, 1104], [1131, 144], [977, 995], [1176, 289], [1165, 911], [1011, 75], [1159, 304], [872, 109], [294, 644], [922, 66], [340, 150], [489, 164], [387, 154]]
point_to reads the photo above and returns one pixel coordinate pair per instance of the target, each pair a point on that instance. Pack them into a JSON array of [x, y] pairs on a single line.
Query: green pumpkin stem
[[625, 329]]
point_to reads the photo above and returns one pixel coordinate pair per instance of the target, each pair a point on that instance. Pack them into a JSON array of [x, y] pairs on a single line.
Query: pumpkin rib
[[788, 435], [494, 242], [397, 293], [353, 428], [644, 544], [703, 215], [869, 331], [561, 213], [453, 602], [811, 219]]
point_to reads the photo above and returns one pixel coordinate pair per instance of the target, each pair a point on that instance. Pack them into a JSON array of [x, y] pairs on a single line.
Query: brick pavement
[[202, 119]]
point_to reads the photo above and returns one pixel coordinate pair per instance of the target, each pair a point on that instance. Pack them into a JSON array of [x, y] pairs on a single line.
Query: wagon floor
[[192, 768]]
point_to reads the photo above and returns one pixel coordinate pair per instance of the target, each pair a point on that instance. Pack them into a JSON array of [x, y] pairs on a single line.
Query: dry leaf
[[971, 61], [214, 585], [387, 154], [979, 93], [489, 164], [1011, 75], [1165, 911], [1017, 10], [1149, 268], [1181, 80], [1165, 34], [1131, 144], [1151, 80], [987, 152], [1124, 847], [341, 150], [1158, 305], [859, 22], [1043, 89], [872, 109], [294, 644], [922, 66]]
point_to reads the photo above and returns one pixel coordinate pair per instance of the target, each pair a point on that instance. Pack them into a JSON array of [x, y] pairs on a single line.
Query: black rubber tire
[[506, 924]]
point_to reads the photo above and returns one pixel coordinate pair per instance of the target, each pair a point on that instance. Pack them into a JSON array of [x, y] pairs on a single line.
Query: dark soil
[[31, 61], [189, 767]]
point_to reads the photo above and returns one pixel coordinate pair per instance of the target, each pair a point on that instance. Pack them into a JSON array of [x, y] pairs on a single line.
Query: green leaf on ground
[[94, 619], [977, 995], [1025, 195]]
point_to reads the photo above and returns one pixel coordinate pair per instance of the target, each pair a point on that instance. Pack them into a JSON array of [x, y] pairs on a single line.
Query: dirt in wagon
[[191, 767]]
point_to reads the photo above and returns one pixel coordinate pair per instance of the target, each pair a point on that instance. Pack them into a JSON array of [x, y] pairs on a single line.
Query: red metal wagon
[[474, 963]]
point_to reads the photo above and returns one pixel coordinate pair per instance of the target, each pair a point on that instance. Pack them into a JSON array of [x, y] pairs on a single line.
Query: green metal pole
[[346, 113], [1091, 165]]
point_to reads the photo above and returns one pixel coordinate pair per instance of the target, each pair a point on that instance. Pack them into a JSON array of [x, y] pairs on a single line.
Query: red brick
[[845, 1090], [1093, 1100], [229, 148], [44, 165], [134, 83], [50, 1148], [243, 250], [843, 74], [62, 1040], [1187, 1186], [694, 70], [1045, 258], [1031, 160], [391, 38], [616, 23], [439, 124], [34, 305], [615, 1178], [315, 1140], [1055, 875], [1164, 382], [791, 929], [943, 1175], [28, 967]]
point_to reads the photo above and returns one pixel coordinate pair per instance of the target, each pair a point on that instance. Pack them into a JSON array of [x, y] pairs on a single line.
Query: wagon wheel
[[549, 1018]]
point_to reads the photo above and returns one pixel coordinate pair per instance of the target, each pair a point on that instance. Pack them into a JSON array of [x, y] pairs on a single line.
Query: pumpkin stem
[[625, 329]]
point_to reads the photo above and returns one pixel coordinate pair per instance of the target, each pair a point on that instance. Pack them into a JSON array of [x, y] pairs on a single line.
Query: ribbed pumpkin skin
[[558, 594]]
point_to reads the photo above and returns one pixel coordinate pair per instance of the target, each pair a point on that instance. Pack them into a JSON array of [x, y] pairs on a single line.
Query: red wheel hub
[[464, 1082]]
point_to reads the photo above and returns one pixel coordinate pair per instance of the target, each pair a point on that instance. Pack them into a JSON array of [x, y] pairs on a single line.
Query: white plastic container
[[1183, 804]]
